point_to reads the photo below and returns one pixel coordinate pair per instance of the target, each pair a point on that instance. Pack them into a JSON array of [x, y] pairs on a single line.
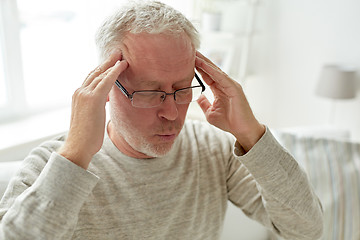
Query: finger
[[204, 103], [98, 79], [108, 81], [87, 80], [109, 62], [207, 79], [216, 74], [201, 56], [216, 88]]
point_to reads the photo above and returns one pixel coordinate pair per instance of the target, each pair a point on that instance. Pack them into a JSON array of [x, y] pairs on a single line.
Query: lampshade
[[337, 82]]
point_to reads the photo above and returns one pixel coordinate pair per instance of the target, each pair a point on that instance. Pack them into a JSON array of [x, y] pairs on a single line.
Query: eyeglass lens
[[148, 99]]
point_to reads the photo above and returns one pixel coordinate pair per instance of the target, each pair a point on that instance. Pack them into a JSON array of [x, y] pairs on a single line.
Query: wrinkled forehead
[[159, 52]]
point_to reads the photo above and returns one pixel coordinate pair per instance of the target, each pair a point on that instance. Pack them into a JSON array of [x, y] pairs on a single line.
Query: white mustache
[[169, 126]]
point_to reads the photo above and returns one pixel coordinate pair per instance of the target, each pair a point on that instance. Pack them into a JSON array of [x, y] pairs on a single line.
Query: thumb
[[204, 103]]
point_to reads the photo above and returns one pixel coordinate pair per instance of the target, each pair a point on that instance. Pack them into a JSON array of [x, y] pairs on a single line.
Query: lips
[[167, 137]]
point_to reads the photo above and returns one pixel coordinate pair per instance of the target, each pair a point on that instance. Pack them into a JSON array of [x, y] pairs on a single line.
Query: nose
[[168, 109]]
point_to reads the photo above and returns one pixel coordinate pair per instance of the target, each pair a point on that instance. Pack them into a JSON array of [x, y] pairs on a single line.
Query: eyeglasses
[[151, 98]]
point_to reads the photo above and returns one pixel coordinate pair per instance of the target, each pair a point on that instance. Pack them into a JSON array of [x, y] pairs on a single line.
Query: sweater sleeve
[[44, 203], [270, 187]]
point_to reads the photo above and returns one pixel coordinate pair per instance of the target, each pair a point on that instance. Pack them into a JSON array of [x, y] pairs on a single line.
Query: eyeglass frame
[[130, 96]]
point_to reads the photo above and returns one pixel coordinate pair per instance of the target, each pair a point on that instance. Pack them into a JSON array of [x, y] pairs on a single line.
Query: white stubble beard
[[134, 139]]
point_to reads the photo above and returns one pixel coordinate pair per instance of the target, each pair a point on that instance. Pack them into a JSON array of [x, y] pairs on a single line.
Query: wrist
[[74, 155], [250, 137]]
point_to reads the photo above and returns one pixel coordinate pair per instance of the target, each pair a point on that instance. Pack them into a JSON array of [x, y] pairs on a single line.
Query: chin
[[154, 151]]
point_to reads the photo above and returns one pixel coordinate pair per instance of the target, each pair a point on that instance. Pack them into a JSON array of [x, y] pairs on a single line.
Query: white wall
[[293, 40]]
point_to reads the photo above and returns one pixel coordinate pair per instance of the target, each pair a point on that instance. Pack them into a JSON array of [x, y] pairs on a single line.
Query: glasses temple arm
[[123, 90], [200, 82]]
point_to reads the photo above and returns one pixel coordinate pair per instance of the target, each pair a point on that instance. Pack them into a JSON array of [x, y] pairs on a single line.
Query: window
[[47, 49], [57, 50], [2, 81]]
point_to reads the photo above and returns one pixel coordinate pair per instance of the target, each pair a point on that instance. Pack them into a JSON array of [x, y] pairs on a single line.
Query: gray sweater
[[180, 196]]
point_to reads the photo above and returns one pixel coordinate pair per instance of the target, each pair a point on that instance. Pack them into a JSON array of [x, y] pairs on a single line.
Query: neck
[[123, 145]]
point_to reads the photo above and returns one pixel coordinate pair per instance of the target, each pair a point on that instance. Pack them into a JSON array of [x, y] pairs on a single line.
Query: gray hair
[[143, 17]]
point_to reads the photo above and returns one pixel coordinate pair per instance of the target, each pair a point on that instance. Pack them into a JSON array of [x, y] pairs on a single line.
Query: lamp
[[336, 82]]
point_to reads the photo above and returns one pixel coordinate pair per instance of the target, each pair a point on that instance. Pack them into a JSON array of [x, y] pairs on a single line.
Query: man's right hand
[[87, 126]]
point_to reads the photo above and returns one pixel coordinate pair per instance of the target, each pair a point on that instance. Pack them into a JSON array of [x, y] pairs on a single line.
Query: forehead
[[158, 55]]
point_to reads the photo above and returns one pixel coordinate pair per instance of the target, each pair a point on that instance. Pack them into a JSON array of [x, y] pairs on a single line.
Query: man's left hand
[[230, 110]]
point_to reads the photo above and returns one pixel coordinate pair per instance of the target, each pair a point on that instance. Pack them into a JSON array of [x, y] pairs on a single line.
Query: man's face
[[156, 62]]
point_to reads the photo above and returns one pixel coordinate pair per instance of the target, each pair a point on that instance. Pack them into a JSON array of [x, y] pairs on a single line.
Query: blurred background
[[276, 49], [297, 60]]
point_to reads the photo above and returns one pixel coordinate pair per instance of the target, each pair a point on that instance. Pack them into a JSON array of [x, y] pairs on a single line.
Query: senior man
[[148, 173]]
